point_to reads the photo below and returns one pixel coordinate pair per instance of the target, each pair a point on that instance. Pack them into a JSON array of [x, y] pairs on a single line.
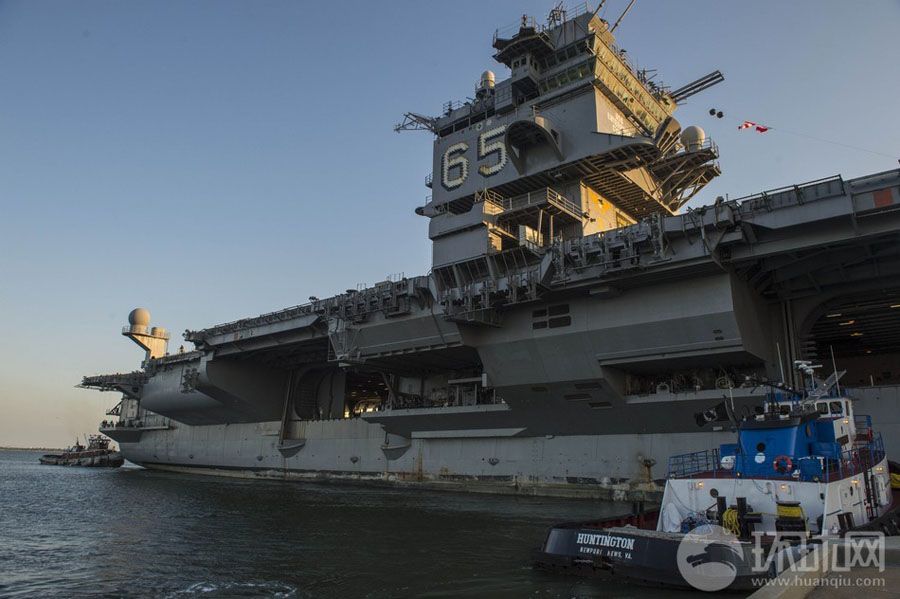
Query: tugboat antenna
[[837, 383], [780, 363]]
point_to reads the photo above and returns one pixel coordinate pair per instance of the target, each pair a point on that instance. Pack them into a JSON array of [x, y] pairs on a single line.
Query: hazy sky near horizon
[[212, 160]]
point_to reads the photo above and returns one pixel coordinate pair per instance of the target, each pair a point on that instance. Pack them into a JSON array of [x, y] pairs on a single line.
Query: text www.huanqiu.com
[[830, 581]]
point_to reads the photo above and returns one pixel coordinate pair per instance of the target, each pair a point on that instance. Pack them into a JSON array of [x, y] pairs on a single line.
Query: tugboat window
[[761, 447], [822, 407], [836, 408]]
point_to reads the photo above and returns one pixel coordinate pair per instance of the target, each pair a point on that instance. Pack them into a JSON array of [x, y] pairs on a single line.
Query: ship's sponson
[[667, 294]]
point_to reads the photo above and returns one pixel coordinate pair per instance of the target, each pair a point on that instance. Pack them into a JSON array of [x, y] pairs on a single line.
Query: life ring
[[783, 464]]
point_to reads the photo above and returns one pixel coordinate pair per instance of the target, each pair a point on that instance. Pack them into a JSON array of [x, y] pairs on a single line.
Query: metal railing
[[563, 14], [863, 425], [793, 194], [363, 299], [150, 421], [694, 463], [706, 144], [490, 196], [136, 378], [451, 105], [539, 198], [147, 331], [267, 318], [508, 31], [707, 463]]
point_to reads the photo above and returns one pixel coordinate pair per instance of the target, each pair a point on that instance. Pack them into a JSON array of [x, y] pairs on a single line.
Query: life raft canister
[[783, 464]]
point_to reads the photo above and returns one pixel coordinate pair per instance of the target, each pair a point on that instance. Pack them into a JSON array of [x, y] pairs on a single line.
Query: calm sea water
[[73, 532]]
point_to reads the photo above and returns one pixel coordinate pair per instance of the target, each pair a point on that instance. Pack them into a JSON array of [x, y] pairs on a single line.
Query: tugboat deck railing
[[707, 463], [863, 424], [687, 465]]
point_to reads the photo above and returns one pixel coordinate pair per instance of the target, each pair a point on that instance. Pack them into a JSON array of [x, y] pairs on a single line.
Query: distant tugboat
[[97, 453]]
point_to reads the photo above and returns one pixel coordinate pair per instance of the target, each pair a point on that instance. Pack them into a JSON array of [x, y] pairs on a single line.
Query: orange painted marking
[[883, 198]]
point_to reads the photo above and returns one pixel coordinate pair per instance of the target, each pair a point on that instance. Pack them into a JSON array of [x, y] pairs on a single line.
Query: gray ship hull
[[608, 466], [354, 450]]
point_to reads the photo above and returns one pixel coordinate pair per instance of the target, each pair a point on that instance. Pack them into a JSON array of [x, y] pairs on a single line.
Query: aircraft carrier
[[578, 325]]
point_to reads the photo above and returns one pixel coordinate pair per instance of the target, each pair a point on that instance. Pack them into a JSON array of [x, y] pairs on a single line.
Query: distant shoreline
[[2, 448]]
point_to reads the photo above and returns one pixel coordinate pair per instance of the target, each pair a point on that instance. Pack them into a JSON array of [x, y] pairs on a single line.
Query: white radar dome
[[692, 137], [139, 317], [487, 80]]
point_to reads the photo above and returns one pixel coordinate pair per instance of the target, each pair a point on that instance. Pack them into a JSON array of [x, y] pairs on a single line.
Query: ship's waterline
[[355, 451]]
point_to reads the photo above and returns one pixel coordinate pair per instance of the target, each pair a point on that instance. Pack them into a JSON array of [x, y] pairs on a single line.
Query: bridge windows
[[575, 73]]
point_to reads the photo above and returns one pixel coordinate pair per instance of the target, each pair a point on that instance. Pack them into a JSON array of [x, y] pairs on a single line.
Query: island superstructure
[[575, 328]]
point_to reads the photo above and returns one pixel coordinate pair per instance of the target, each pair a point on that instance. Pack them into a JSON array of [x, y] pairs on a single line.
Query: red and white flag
[[751, 125]]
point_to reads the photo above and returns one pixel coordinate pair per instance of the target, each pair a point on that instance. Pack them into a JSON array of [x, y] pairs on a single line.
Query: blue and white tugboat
[[804, 468]]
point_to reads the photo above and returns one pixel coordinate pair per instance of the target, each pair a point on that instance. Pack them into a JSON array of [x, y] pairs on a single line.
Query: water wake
[[277, 590]]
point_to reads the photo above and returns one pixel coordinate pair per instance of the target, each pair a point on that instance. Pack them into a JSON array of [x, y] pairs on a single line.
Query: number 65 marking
[[455, 165], [489, 143]]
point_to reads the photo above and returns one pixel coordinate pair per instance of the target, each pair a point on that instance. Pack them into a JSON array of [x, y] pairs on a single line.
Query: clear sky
[[212, 160]]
